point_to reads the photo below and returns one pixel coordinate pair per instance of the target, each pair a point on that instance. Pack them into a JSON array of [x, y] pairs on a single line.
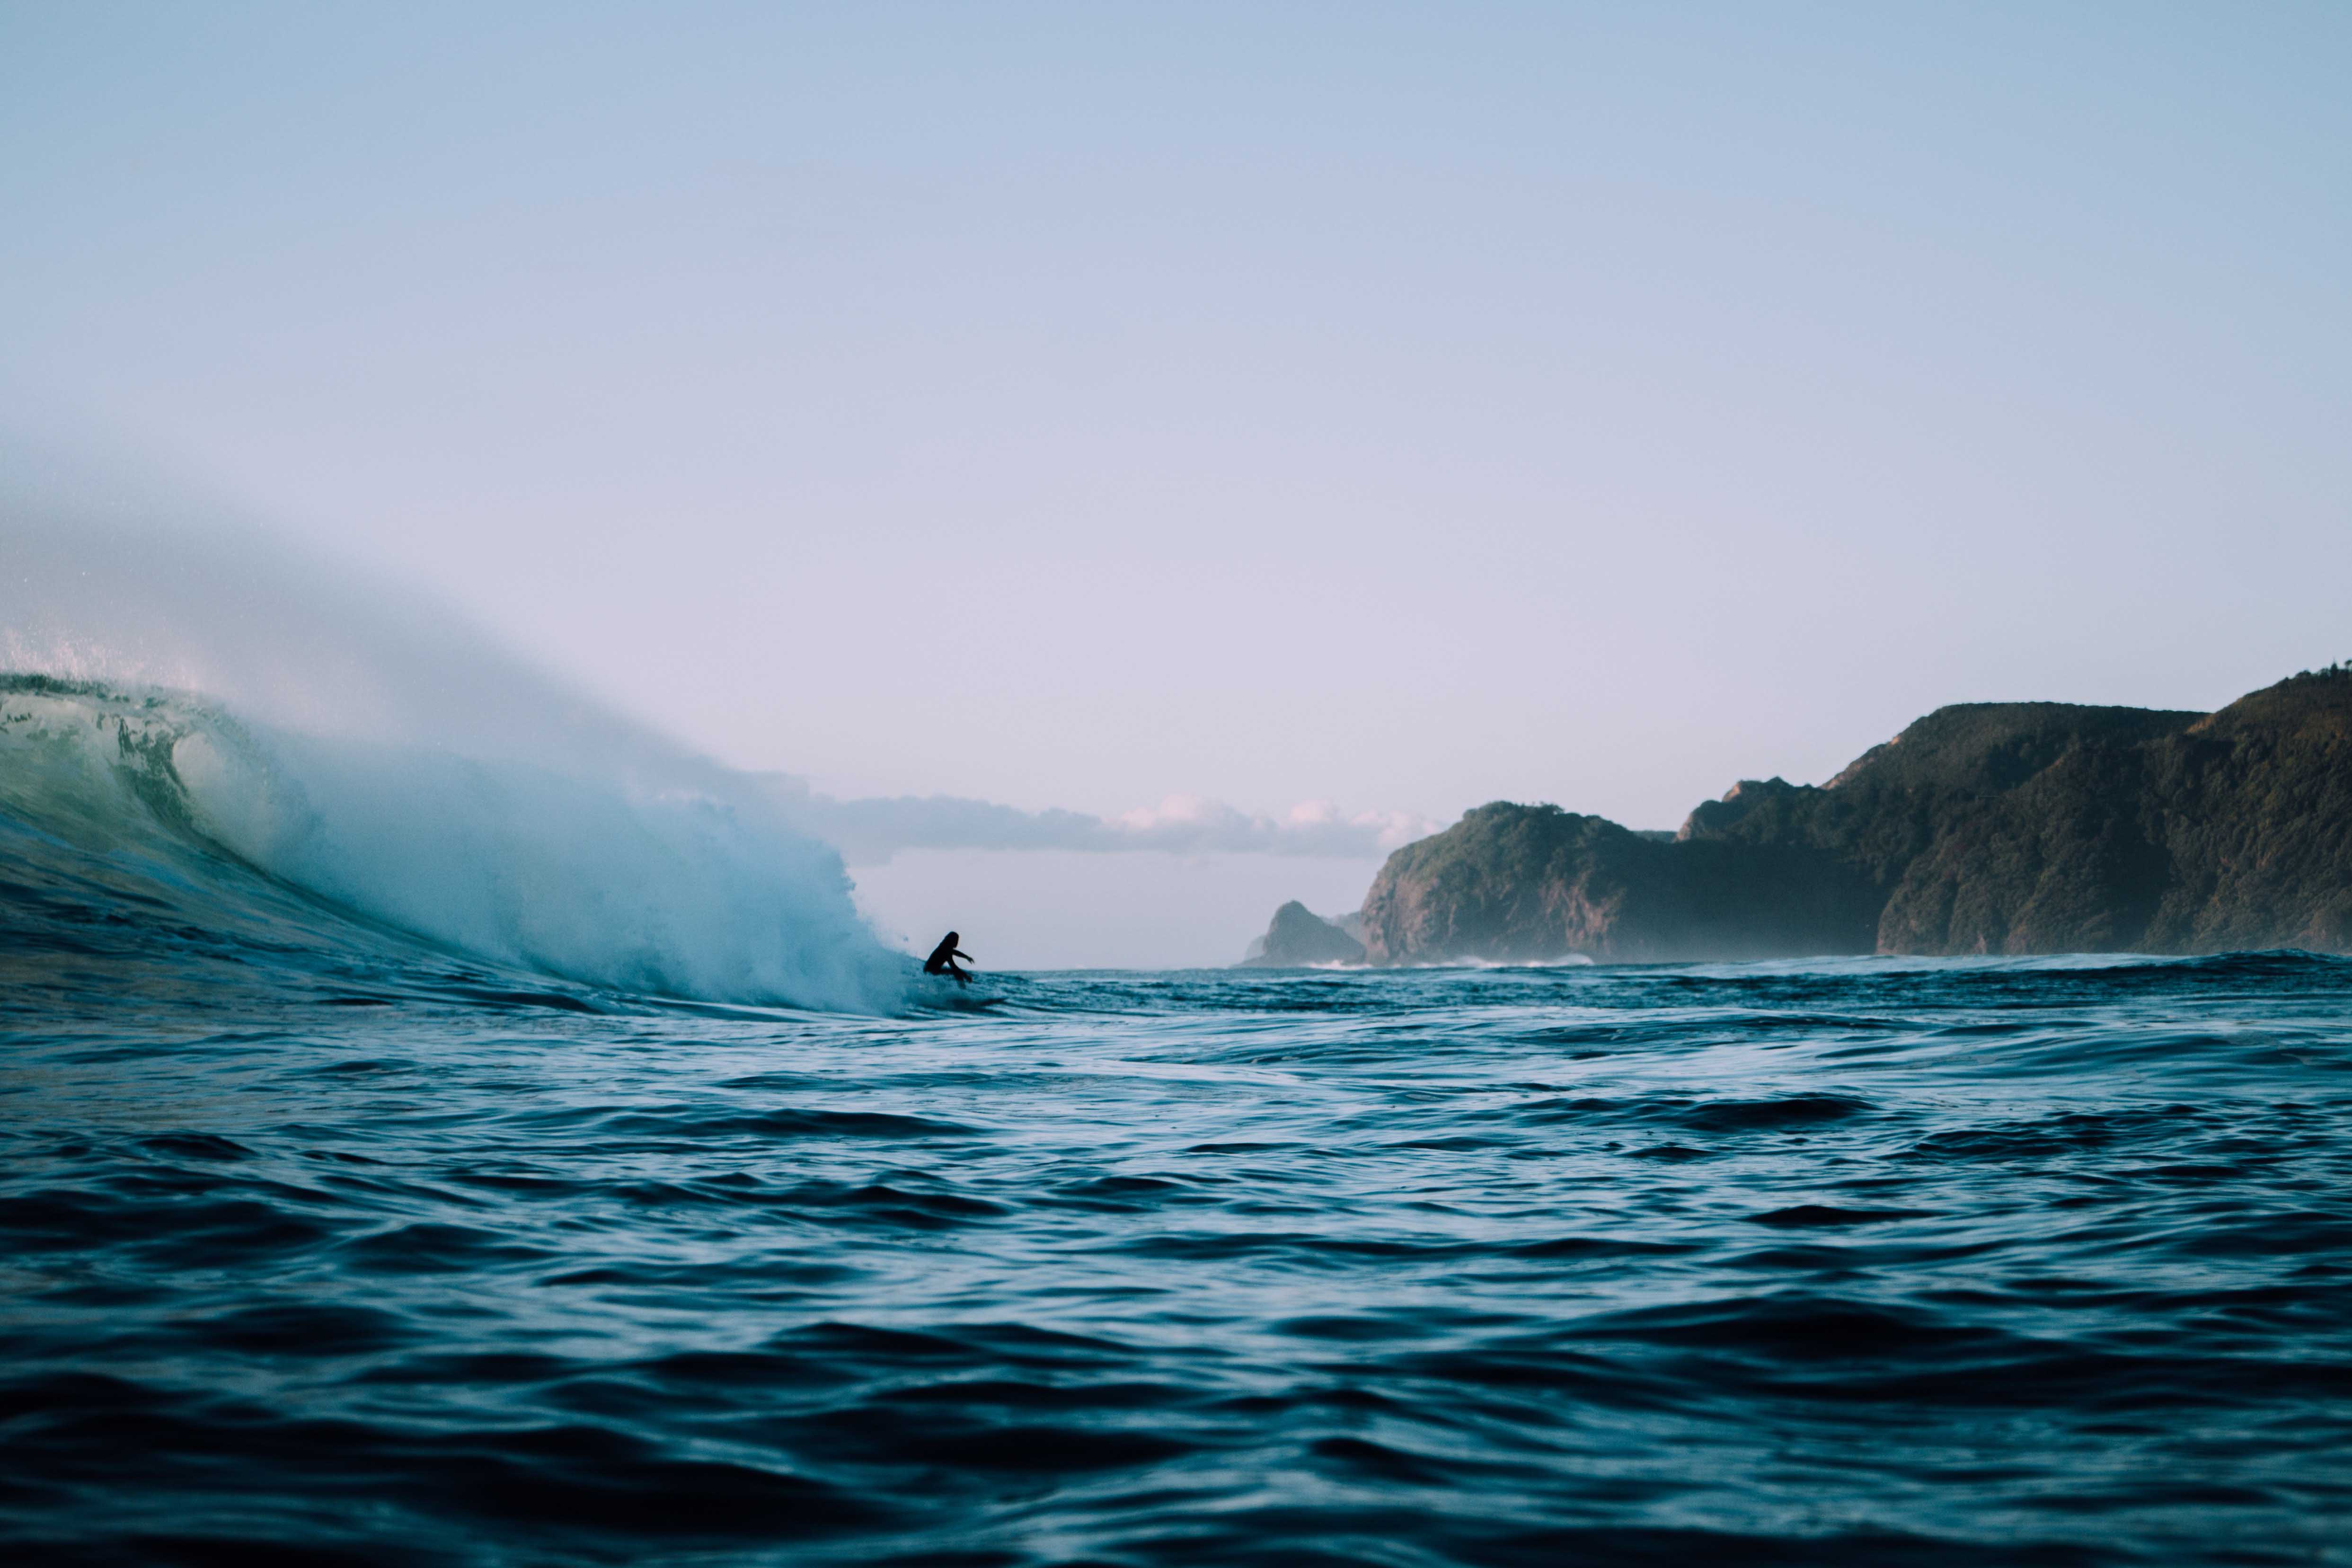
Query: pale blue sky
[[1406, 407]]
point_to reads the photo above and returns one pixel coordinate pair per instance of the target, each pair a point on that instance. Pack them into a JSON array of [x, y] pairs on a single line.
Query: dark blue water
[[2025, 1262], [322, 1242]]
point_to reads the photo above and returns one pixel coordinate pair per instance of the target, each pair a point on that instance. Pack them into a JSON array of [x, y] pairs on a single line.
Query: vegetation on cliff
[[1984, 828]]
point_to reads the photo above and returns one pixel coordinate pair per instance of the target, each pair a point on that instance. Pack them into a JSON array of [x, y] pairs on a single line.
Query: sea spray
[[369, 748]]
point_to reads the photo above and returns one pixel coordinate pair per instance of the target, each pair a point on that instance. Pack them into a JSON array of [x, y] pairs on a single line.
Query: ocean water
[[324, 1242]]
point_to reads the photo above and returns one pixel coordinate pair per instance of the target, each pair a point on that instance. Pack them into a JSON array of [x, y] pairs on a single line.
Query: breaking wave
[[159, 806], [245, 754]]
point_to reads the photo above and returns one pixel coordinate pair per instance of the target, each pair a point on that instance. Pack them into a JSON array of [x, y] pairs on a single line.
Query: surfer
[[943, 957]]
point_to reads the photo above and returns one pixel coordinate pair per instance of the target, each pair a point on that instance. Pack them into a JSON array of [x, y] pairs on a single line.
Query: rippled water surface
[[2000, 1263]]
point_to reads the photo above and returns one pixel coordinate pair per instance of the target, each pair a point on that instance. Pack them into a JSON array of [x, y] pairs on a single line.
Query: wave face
[[1927, 1263], [156, 828]]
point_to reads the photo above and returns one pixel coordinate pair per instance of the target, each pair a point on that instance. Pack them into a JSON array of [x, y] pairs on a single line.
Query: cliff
[[1984, 828], [1300, 937]]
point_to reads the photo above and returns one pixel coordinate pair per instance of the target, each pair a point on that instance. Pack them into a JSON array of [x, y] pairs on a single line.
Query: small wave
[[699, 1123], [2090, 966], [1565, 960], [1719, 1117]]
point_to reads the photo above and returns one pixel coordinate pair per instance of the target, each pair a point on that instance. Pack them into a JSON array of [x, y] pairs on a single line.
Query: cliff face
[[2257, 821], [1987, 827], [1519, 883]]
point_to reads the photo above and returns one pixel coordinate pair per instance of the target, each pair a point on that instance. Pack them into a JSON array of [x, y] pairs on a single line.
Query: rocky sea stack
[[2011, 828], [1300, 937]]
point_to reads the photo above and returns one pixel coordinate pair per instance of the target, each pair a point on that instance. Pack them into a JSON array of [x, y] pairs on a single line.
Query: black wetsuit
[[943, 957]]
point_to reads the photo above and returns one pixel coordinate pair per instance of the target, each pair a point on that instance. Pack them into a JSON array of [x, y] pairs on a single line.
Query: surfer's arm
[[965, 956]]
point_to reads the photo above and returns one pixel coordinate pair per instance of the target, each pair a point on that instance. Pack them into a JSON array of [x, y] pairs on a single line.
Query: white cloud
[[869, 832]]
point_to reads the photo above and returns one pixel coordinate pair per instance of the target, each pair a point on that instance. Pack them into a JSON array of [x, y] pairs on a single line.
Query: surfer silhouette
[[943, 957]]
